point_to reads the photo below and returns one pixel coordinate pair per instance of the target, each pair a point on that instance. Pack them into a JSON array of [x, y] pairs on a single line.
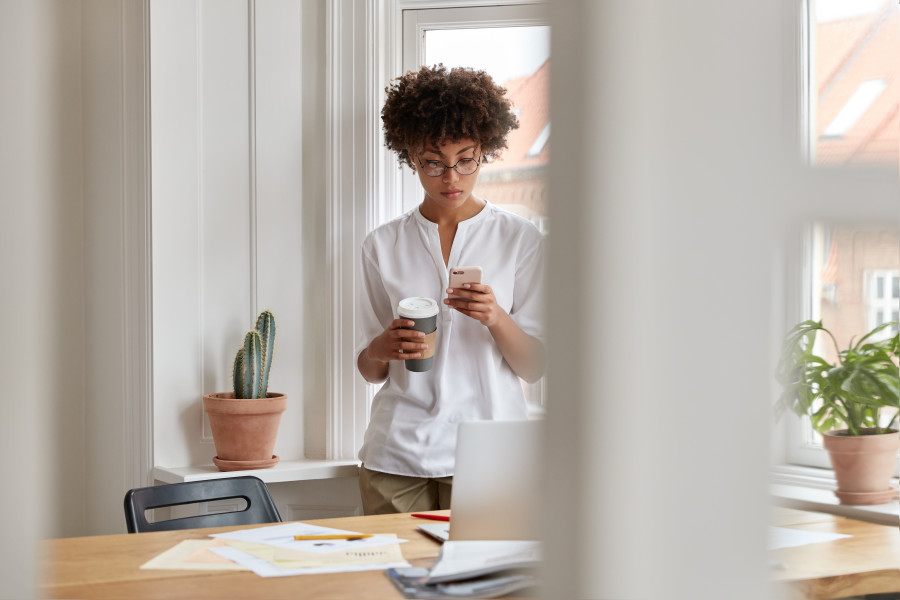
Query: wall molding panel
[[226, 156]]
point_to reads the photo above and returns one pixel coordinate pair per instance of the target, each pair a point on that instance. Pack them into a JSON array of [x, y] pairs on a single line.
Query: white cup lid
[[418, 307]]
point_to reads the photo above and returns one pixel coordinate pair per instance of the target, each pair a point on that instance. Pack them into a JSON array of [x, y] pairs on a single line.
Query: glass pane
[[850, 265], [518, 58], [854, 87], [853, 263]]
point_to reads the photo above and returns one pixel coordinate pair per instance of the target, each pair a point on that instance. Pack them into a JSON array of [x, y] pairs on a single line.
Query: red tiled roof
[[530, 96], [850, 52]]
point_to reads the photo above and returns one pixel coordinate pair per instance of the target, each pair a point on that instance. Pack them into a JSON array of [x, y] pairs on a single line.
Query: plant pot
[[244, 431], [863, 465]]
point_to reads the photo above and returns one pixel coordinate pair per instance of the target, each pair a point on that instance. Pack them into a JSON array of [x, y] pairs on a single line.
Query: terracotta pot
[[863, 465], [244, 431]]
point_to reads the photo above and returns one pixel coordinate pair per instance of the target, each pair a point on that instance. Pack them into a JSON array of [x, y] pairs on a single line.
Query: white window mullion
[[360, 52]]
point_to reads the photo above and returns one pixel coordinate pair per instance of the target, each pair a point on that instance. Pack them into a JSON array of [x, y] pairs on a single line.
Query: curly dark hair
[[437, 106]]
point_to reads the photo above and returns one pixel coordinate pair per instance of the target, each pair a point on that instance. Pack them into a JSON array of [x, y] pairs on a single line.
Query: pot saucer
[[244, 465], [860, 498]]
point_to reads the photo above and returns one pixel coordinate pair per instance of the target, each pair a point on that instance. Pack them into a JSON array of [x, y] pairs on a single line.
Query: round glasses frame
[[464, 166]]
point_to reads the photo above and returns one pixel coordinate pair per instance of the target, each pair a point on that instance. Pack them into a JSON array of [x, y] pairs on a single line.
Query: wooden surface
[[866, 563], [108, 567]]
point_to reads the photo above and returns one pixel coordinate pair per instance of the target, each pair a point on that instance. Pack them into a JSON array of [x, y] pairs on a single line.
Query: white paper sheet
[[265, 568], [463, 559], [282, 536], [782, 537], [193, 555]]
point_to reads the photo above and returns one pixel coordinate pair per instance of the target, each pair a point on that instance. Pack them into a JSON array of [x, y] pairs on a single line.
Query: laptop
[[496, 482]]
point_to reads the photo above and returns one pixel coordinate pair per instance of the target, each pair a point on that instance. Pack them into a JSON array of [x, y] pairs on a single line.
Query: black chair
[[260, 506]]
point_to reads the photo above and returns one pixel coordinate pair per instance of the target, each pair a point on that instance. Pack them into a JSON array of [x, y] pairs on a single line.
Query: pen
[[432, 517], [337, 536]]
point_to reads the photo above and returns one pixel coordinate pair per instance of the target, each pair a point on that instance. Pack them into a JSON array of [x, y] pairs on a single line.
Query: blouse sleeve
[[528, 293], [373, 310]]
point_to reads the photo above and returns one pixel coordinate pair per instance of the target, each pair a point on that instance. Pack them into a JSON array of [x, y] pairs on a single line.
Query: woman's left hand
[[480, 303], [524, 353]]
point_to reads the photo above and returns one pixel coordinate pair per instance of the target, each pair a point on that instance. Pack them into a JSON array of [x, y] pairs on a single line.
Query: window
[[364, 185], [512, 44], [855, 292], [882, 296], [482, 38], [853, 82], [851, 250], [857, 268]]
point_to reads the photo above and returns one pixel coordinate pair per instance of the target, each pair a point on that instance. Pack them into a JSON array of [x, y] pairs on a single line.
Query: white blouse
[[414, 416]]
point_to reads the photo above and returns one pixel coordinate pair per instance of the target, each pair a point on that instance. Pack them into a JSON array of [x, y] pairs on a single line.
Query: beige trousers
[[384, 493]]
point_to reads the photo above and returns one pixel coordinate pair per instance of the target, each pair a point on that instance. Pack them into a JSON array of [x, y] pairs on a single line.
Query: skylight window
[[539, 142], [856, 106]]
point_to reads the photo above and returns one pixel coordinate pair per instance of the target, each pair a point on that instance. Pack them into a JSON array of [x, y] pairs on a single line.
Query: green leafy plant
[[849, 394], [254, 359]]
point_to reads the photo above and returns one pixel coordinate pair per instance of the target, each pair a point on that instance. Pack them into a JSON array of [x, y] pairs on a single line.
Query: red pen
[[432, 517]]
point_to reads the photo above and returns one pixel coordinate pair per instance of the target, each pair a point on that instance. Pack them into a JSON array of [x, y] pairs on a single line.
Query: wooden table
[[108, 567], [866, 563]]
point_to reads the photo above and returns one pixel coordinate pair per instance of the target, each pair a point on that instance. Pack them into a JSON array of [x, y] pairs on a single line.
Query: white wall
[[239, 220], [227, 209], [72, 195], [75, 111], [42, 192]]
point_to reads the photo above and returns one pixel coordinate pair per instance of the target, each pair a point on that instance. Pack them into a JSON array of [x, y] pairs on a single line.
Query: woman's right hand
[[393, 343]]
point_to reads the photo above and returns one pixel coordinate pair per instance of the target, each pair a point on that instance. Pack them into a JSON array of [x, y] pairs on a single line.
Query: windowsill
[[808, 488], [285, 471]]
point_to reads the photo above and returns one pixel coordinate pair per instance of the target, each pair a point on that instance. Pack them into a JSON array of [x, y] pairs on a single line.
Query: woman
[[444, 124]]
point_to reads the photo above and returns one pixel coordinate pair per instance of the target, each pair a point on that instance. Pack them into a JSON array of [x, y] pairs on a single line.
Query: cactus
[[265, 325], [254, 359]]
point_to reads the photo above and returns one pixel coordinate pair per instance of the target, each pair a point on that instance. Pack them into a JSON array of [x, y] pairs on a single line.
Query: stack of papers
[[273, 552], [472, 569]]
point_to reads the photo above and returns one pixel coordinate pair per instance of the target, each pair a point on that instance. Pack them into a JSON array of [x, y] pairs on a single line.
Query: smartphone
[[461, 275]]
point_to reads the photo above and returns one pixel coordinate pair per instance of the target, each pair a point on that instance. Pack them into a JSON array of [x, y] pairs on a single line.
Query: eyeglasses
[[436, 168]]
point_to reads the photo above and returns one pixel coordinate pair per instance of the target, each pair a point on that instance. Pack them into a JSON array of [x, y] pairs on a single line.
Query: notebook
[[496, 482], [439, 531]]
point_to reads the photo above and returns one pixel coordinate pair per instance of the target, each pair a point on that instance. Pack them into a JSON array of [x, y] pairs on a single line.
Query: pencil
[[337, 536], [432, 517]]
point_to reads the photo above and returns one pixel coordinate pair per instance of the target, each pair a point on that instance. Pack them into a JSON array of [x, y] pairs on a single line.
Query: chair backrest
[[260, 506]]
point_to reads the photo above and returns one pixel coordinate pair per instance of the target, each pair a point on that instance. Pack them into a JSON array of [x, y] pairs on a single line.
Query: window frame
[[890, 277], [821, 196], [416, 20], [364, 47]]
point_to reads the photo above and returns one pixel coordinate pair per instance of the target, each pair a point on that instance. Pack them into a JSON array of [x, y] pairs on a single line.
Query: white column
[[664, 189], [41, 435]]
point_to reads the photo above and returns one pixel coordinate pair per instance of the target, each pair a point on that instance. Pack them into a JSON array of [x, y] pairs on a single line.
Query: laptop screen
[[497, 481]]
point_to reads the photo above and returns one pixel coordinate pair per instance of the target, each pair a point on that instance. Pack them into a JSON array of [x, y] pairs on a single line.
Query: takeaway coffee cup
[[423, 312]]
